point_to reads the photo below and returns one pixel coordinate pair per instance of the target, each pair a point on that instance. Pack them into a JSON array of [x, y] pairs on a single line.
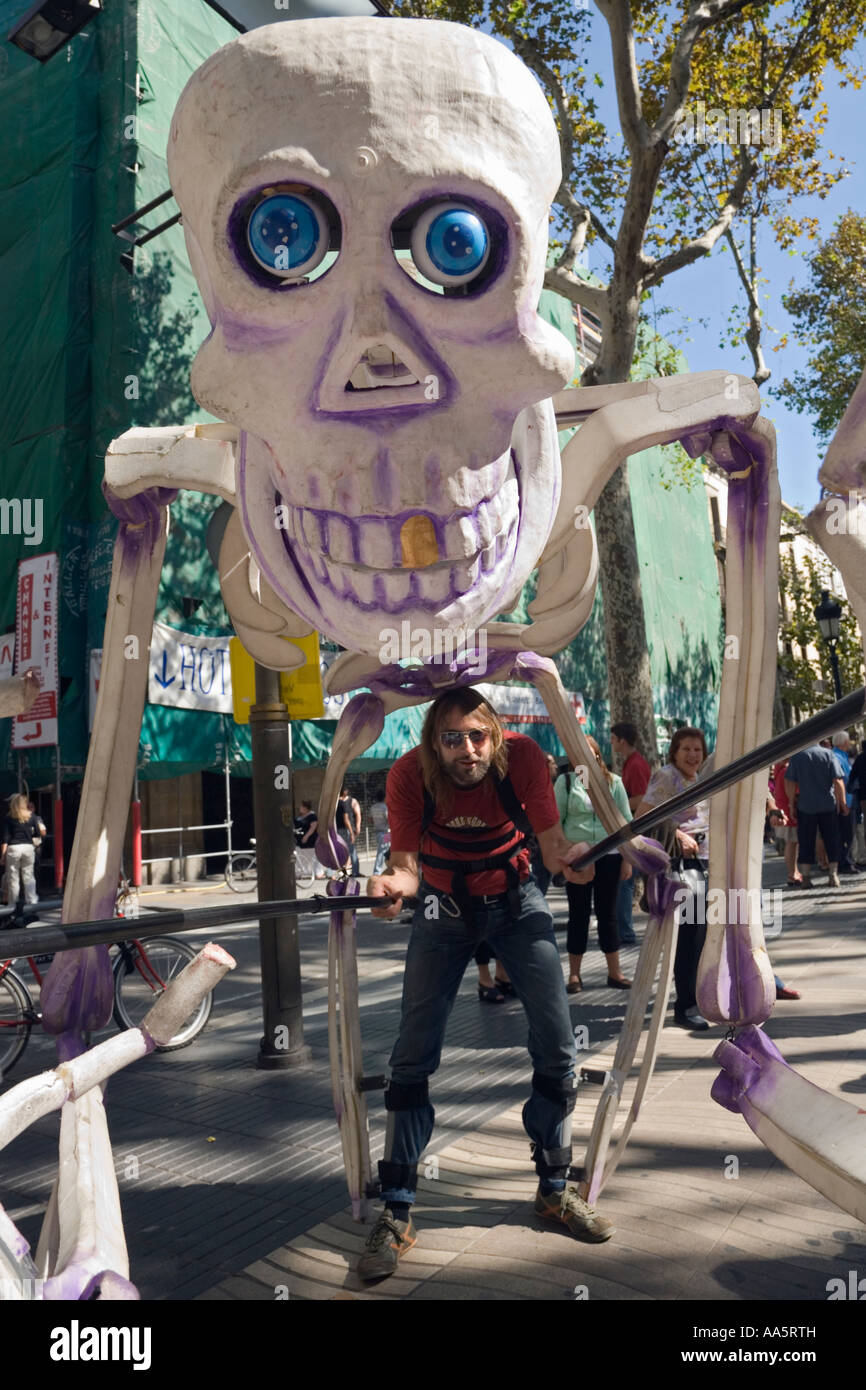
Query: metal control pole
[[283, 1041]]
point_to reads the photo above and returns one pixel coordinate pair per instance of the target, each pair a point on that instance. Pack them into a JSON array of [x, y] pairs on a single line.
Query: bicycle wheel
[[141, 973], [241, 873], [305, 868], [16, 1020]]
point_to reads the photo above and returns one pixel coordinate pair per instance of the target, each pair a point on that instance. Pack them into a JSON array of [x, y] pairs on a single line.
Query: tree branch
[[702, 245], [703, 14], [595, 298], [747, 277], [581, 212], [617, 15]]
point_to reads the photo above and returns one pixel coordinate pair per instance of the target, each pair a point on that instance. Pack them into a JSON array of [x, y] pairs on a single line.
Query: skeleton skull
[[398, 453]]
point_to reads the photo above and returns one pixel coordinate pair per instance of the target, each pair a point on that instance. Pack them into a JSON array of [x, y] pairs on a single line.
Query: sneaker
[[833, 879], [572, 1211], [386, 1244]]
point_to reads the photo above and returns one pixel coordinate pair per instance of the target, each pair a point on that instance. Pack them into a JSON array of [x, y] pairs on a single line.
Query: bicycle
[[242, 873], [141, 974]]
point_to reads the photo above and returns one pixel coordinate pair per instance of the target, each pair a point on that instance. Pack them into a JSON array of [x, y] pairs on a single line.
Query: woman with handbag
[[580, 821], [21, 831], [689, 861]]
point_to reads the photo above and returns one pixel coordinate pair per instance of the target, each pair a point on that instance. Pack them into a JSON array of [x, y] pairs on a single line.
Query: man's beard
[[467, 777]]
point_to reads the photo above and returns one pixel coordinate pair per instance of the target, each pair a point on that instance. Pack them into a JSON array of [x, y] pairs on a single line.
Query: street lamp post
[[827, 615]]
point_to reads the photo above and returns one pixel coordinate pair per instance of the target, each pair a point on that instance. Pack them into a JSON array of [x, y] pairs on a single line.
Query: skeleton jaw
[[449, 567], [364, 560]]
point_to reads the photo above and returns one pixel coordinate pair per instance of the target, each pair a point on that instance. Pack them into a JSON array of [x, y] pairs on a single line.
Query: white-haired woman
[[18, 852]]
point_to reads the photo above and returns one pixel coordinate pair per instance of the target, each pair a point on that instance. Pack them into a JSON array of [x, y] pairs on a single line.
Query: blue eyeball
[[287, 235], [450, 244]]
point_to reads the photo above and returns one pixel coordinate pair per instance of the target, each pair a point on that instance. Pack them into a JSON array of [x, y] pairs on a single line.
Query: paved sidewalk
[[702, 1209], [231, 1178]]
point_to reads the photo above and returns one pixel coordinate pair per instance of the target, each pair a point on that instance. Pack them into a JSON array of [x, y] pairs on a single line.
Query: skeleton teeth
[[339, 539], [485, 522], [460, 537], [312, 531], [360, 582], [464, 576], [434, 583], [397, 585], [317, 565], [488, 558], [376, 547], [335, 577]]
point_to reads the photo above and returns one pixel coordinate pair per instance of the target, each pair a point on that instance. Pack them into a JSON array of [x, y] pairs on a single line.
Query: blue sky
[[707, 289]]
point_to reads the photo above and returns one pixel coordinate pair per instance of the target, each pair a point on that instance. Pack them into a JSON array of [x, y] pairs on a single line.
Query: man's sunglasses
[[455, 738]]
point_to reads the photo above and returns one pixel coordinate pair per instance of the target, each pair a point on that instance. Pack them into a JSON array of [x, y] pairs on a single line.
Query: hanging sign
[[300, 689], [36, 645], [188, 671]]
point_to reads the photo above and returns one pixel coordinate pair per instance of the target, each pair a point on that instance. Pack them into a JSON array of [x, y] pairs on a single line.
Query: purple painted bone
[[744, 1062], [77, 997], [140, 516]]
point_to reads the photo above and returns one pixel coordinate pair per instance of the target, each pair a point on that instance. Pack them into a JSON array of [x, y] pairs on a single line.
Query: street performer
[[461, 806]]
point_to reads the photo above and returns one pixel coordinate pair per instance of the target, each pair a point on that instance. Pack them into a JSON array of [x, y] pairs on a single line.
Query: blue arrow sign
[[162, 680]]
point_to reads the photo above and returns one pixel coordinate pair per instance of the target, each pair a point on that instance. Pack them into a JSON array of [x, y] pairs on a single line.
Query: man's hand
[[384, 886], [625, 871], [402, 880], [572, 853]]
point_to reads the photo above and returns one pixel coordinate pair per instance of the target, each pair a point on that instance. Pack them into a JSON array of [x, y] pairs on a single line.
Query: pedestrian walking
[[816, 794], [842, 753], [458, 805], [21, 830]]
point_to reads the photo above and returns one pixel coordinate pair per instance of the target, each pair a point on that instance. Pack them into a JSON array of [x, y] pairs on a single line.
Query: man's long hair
[[457, 702]]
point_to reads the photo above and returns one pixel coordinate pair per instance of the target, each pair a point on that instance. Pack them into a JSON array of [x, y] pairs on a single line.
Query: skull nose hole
[[378, 368]]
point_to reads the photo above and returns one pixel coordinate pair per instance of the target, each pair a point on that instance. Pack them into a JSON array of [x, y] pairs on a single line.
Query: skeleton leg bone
[[83, 1225], [360, 725]]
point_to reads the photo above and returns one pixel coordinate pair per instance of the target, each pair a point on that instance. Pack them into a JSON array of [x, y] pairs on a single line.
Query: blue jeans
[[440, 947], [381, 854]]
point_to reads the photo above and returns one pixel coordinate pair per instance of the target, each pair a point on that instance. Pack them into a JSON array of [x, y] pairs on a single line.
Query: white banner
[[522, 704], [189, 672], [7, 655], [36, 645]]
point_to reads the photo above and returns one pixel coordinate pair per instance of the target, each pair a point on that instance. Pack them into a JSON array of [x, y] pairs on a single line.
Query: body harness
[[495, 855]]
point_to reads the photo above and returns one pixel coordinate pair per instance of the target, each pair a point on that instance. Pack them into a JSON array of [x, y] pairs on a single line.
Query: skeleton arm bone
[[821, 1137]]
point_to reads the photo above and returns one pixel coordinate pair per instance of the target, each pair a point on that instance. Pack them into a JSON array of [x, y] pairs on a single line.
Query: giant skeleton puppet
[[392, 458]]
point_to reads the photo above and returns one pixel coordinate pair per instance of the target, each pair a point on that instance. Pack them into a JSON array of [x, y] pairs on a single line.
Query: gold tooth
[[418, 543]]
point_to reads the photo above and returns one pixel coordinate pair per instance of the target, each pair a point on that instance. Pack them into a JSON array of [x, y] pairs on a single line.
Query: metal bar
[[155, 231], [167, 858], [70, 936], [168, 829], [838, 716], [141, 212]]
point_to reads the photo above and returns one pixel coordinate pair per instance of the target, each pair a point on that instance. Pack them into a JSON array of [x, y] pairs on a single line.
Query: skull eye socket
[[454, 247], [288, 233]]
